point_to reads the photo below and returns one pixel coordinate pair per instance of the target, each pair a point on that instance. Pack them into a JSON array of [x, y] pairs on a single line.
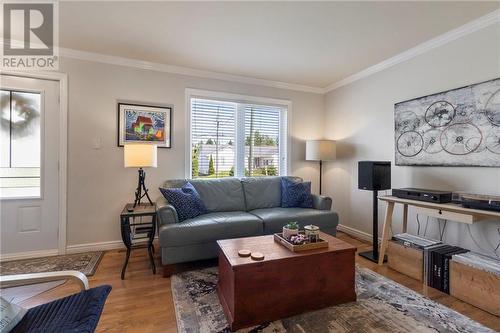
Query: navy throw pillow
[[186, 201], [296, 194]]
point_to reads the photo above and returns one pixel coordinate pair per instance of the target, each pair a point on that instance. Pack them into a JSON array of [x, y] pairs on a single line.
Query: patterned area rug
[[382, 306], [84, 262]]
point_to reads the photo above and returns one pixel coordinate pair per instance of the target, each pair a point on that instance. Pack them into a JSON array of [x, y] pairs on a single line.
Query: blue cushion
[[186, 201], [295, 194], [76, 313]]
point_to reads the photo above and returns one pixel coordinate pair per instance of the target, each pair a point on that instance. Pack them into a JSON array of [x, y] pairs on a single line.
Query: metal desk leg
[[385, 231], [151, 258], [151, 248], [125, 230], [125, 264]]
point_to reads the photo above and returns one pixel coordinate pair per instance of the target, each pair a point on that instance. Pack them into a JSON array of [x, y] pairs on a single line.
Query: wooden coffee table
[[284, 283]]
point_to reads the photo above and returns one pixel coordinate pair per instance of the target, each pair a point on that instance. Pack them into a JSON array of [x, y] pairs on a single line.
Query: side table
[[137, 233]]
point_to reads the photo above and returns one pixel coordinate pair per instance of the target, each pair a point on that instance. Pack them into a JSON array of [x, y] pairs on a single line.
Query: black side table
[[134, 229]]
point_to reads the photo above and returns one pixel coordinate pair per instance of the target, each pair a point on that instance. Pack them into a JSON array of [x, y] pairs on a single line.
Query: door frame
[[62, 79]]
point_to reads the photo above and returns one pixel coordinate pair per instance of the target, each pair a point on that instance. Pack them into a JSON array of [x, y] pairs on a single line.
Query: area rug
[[84, 262], [382, 306]]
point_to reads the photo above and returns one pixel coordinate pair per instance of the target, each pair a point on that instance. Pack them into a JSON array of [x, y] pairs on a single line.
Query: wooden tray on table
[[320, 244]]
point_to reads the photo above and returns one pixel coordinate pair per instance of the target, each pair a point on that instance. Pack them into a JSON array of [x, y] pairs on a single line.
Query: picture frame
[[144, 124], [459, 127]]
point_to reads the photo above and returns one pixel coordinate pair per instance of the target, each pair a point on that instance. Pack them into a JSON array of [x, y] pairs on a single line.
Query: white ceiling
[[307, 43]]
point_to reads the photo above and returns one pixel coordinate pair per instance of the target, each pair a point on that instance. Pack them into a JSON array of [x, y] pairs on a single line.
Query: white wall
[[360, 116], [99, 185]]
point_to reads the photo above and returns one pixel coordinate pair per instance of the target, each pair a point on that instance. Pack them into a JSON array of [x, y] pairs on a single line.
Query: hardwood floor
[[143, 301]]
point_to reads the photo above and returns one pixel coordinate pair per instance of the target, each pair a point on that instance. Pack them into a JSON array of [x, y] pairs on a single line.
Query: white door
[[29, 159]]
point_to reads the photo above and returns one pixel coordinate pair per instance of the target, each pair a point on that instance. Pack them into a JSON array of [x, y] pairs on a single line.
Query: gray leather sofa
[[237, 208]]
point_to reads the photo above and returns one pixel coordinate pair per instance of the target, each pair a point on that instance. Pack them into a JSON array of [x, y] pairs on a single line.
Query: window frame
[[239, 126]]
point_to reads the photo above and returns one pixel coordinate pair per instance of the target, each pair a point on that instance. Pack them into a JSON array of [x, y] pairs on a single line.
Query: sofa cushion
[[296, 194], [275, 218], [221, 195], [209, 228], [186, 201], [262, 192]]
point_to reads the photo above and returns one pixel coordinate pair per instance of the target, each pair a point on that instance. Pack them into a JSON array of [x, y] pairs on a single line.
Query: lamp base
[[141, 186], [370, 255]]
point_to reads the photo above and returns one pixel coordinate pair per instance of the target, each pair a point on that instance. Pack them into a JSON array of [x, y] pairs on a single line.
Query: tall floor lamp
[[320, 150], [140, 156]]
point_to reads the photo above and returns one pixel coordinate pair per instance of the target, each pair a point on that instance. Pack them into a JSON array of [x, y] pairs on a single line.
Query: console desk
[[448, 211]]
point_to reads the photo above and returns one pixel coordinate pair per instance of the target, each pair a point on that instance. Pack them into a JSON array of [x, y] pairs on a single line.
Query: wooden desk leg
[[385, 231], [405, 217]]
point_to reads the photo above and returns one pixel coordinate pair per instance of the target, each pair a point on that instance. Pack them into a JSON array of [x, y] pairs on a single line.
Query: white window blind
[[213, 136], [262, 138], [237, 139]]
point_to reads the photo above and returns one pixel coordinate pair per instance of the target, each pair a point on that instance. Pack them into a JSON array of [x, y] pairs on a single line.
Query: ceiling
[[307, 43]]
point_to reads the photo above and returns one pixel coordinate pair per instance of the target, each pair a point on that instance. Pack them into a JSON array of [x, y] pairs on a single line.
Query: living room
[[261, 122]]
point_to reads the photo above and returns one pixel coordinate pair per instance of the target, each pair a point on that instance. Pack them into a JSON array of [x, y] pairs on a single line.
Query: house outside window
[[236, 136]]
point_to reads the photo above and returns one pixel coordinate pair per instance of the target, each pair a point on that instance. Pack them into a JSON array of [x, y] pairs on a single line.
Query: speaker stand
[[374, 255]]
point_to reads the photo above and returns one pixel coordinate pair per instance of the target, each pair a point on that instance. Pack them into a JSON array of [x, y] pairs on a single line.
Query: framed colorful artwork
[[148, 124]]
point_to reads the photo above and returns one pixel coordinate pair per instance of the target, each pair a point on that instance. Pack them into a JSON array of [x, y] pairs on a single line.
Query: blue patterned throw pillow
[[295, 194], [186, 201]]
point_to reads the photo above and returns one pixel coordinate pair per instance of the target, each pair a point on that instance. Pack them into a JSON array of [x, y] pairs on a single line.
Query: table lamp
[[140, 156], [320, 150]]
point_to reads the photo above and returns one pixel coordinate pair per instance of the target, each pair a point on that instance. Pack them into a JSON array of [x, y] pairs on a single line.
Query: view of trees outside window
[[212, 135], [262, 129], [214, 139]]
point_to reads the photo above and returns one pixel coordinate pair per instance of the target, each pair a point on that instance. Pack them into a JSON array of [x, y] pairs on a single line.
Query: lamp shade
[[320, 150], [139, 156]]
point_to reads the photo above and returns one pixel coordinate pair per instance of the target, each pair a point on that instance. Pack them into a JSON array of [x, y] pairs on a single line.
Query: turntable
[[479, 201]]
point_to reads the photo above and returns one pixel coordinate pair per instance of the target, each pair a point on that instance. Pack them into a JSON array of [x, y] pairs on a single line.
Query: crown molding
[[464, 30], [153, 66]]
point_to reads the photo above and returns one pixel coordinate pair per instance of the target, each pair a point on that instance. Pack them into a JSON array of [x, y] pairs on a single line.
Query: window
[[213, 134], [234, 138], [19, 144], [262, 136]]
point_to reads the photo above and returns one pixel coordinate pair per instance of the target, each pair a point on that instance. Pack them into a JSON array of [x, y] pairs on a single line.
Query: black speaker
[[374, 175]]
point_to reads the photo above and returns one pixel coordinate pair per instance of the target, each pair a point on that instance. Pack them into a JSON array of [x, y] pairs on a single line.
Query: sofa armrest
[[322, 202], [165, 212]]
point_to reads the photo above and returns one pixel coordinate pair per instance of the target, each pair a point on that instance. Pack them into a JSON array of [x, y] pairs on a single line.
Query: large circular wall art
[[431, 141], [459, 127], [440, 114], [461, 139], [493, 142], [410, 143], [492, 108]]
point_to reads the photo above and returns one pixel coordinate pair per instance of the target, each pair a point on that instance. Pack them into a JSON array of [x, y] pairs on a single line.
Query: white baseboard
[[357, 233], [100, 246], [28, 255], [70, 249]]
